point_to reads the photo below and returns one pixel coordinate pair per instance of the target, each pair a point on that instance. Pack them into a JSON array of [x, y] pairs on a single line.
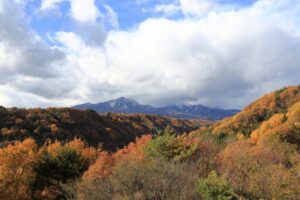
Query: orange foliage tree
[[16, 169], [106, 162]]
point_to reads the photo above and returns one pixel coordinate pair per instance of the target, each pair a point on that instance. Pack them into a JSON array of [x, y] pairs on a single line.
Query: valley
[[64, 153]]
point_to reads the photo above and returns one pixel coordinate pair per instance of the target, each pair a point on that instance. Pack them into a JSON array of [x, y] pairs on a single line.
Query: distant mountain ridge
[[131, 106]]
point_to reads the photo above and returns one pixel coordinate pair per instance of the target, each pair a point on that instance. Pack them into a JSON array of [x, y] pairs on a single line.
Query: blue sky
[[220, 53]]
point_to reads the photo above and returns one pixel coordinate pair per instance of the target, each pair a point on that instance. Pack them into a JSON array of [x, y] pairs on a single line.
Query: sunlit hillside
[[252, 155]]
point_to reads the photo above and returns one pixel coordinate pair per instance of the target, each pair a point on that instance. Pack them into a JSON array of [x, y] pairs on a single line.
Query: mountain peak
[[126, 100], [128, 105]]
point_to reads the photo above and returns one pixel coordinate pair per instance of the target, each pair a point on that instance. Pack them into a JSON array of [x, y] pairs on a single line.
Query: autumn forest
[[63, 153]]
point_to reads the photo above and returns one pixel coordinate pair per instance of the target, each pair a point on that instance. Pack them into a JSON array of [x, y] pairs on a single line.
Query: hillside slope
[[280, 102], [253, 155], [112, 130]]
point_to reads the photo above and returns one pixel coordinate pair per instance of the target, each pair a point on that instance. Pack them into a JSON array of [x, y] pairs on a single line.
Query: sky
[[219, 53]]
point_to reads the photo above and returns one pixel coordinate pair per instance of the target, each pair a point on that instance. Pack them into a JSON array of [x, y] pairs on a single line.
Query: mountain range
[[182, 111]]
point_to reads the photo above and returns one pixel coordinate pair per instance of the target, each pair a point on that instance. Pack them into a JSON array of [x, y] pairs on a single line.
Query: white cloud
[[50, 4], [167, 9], [112, 17], [226, 59], [197, 7], [85, 11], [71, 41], [229, 56], [90, 23], [28, 65]]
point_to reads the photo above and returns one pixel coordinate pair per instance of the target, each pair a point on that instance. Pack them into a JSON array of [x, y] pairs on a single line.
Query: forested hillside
[[113, 131], [268, 108], [252, 155]]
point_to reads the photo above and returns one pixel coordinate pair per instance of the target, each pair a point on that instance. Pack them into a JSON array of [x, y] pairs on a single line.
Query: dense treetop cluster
[[113, 131]]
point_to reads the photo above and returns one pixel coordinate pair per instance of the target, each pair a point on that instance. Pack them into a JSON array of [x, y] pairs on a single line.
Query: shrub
[[215, 188], [152, 179], [169, 147], [53, 169]]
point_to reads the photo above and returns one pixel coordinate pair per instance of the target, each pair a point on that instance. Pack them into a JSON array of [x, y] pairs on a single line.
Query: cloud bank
[[216, 55]]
